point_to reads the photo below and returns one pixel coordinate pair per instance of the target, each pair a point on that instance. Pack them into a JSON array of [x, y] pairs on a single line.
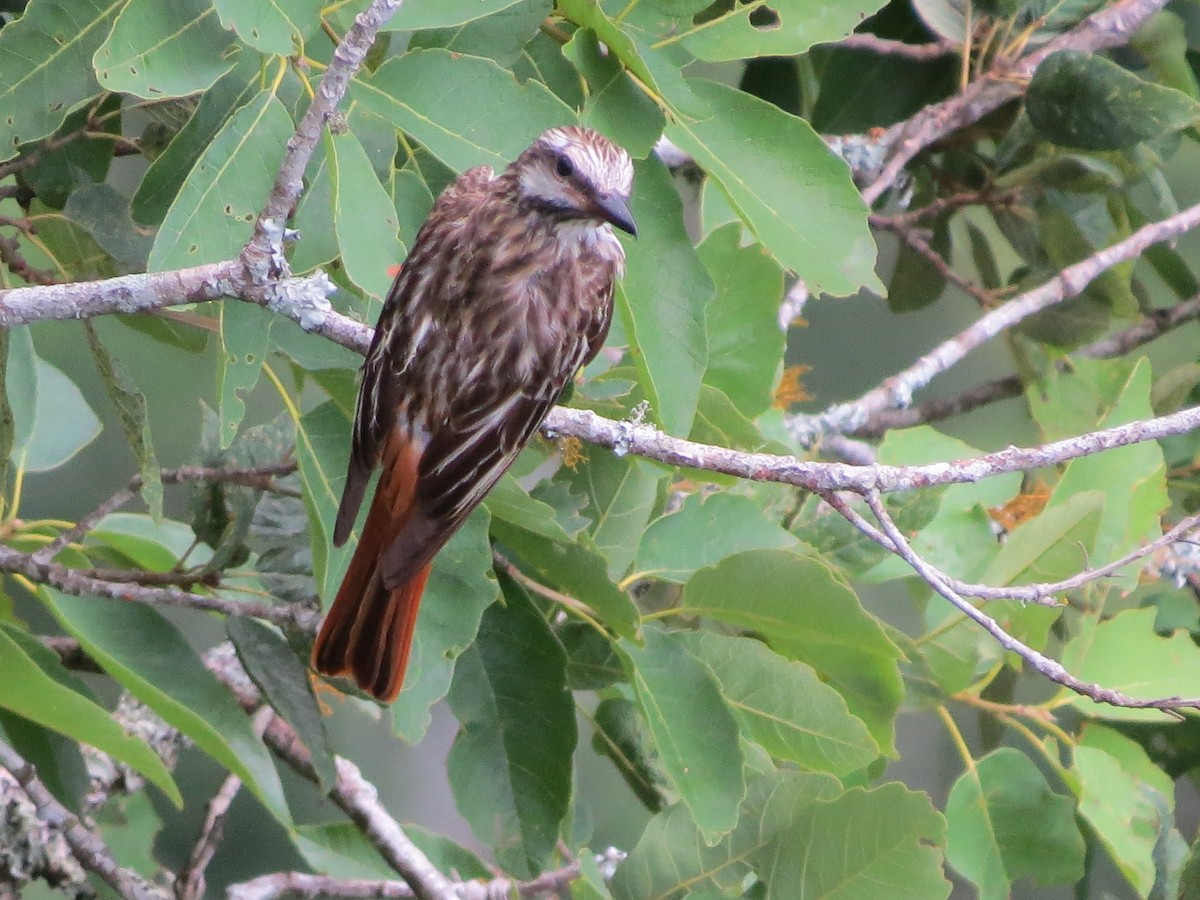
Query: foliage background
[[1058, 791]]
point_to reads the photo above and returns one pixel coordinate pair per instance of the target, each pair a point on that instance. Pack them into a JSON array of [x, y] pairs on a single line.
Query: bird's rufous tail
[[368, 631]]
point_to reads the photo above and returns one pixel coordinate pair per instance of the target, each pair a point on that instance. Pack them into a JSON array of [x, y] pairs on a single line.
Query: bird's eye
[[563, 167]]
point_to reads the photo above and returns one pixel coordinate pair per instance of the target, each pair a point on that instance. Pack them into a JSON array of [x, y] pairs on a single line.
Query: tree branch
[[1041, 663], [1111, 26], [897, 391], [93, 854], [190, 885]]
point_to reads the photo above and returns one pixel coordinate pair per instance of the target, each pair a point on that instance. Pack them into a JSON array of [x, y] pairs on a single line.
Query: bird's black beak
[[615, 210]]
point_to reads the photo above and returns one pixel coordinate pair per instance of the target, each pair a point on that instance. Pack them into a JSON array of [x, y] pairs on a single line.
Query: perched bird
[[506, 293]]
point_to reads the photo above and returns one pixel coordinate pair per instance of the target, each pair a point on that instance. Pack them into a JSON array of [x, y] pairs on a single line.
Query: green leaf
[[416, 14], [20, 394], [662, 301], [170, 170], [28, 691], [46, 66], [214, 212], [361, 206], [696, 734], [1083, 100], [149, 657], [449, 104], [575, 568], [133, 416], [245, 340], [158, 50], [621, 494], [806, 612], [783, 706], [658, 70], [615, 106], [672, 861], [880, 844], [501, 36], [1129, 802], [705, 530], [1103, 394], [323, 452], [745, 342], [1005, 823], [1053, 545], [510, 766], [623, 736], [270, 25], [54, 172], [283, 680], [458, 591], [916, 282], [1125, 654], [776, 170], [59, 425], [795, 26], [103, 212], [509, 502], [592, 661]]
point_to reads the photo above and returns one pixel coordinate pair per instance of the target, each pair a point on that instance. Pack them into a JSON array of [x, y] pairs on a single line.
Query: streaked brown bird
[[506, 293]]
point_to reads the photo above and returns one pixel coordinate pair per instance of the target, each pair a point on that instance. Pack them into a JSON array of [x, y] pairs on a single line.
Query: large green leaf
[[702, 532], [271, 26], [46, 66], [133, 415], [449, 104], [149, 657], [361, 206], [796, 26], [881, 844], [502, 36], [170, 169], [1129, 803], [1103, 394], [615, 106], [30, 692], [776, 171], [214, 212], [1005, 823], [745, 342], [416, 14], [59, 424], [158, 49], [621, 493], [806, 612], [671, 860], [696, 733], [1084, 100], [459, 589], [576, 568], [245, 340], [783, 706], [283, 680], [1125, 654], [662, 301], [510, 767]]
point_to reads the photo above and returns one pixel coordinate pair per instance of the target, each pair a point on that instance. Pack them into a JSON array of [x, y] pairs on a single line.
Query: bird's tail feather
[[368, 631]]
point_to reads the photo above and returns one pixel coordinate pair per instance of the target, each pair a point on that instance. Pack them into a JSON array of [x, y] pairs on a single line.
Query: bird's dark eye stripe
[[563, 166]]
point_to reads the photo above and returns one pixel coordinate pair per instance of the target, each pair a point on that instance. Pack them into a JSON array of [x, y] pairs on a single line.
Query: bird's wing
[[377, 401], [491, 419]]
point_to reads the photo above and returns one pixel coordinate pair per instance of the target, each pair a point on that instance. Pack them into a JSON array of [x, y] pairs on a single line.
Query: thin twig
[[1041, 663], [887, 47], [897, 391], [260, 477], [190, 885], [93, 854], [1155, 325], [1111, 26], [984, 297], [71, 581]]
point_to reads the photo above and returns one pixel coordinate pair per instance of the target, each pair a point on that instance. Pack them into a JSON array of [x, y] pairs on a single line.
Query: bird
[[506, 293]]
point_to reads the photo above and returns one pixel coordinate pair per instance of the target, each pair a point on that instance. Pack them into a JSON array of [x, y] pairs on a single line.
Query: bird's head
[[577, 174]]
